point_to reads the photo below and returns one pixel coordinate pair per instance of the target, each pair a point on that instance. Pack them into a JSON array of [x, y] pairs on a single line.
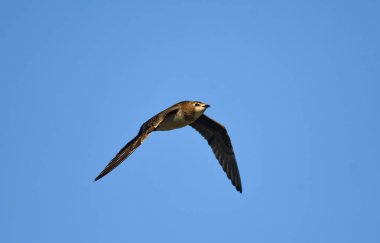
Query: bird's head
[[199, 106], [194, 108]]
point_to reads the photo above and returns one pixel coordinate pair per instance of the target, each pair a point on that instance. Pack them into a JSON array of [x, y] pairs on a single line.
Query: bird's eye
[[197, 104]]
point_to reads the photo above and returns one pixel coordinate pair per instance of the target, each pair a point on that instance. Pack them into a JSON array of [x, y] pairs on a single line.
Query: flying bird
[[179, 115]]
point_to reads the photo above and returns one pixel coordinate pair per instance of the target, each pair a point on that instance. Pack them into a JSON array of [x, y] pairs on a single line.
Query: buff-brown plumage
[[177, 116]]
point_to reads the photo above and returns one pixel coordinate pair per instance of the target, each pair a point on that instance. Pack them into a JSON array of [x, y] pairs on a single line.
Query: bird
[[177, 116]]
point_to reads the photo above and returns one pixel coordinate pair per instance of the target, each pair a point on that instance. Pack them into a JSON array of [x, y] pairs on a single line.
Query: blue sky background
[[296, 83]]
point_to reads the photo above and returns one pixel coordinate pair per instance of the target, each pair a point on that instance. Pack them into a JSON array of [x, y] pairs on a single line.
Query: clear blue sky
[[296, 83]]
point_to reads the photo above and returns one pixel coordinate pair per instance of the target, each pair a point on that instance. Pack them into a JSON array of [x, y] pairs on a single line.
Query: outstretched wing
[[132, 145], [217, 137]]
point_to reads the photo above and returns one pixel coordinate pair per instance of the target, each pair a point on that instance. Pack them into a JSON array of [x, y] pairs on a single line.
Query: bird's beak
[[207, 106]]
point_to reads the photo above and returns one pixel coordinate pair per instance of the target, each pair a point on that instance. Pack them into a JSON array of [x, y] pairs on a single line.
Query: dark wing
[[132, 145], [217, 137]]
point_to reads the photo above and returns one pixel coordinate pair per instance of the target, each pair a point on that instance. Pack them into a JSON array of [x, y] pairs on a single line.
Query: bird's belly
[[172, 122]]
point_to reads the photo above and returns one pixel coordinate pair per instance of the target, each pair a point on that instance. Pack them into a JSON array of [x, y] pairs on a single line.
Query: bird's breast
[[174, 121]]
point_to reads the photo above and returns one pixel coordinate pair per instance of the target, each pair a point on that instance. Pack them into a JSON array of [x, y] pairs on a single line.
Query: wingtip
[[239, 189]]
